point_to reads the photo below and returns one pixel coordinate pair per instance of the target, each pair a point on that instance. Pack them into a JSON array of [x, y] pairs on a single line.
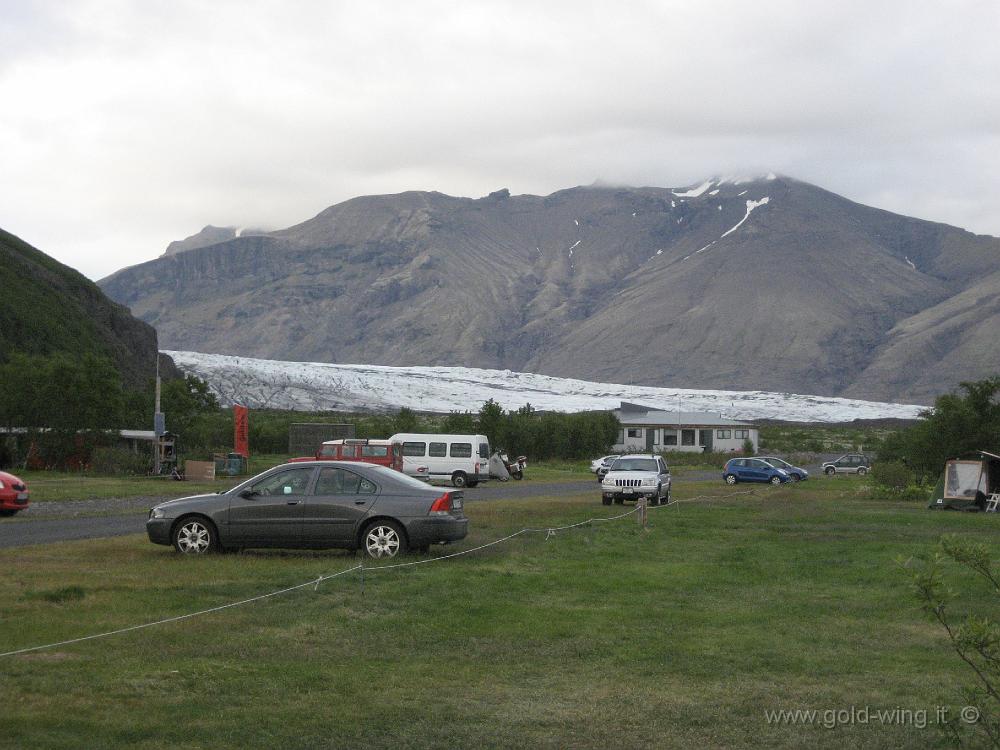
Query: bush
[[894, 476], [121, 462]]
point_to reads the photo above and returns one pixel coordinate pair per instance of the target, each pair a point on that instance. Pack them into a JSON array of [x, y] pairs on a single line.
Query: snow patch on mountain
[[311, 386], [694, 192]]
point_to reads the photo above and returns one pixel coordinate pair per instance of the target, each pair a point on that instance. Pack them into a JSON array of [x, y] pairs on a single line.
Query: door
[[705, 439], [271, 514], [338, 503], [650, 434]]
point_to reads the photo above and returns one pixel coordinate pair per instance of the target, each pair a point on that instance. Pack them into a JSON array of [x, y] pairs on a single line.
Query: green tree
[[959, 423], [185, 399], [491, 417], [459, 423], [405, 421]]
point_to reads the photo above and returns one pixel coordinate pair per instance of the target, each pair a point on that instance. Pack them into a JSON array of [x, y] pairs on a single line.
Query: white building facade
[[645, 429]]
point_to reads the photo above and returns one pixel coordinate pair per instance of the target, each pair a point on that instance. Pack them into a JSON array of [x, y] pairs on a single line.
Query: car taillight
[[442, 504]]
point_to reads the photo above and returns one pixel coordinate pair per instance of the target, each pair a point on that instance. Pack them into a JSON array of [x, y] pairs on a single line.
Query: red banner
[[241, 430]]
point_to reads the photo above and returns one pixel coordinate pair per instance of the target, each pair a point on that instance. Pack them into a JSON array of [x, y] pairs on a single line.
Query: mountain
[[209, 236], [48, 308], [762, 284]]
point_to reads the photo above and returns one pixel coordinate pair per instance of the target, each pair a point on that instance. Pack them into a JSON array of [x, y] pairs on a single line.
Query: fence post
[[641, 514]]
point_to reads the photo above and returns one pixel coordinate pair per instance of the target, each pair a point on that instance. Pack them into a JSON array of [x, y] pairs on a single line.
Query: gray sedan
[[314, 505]]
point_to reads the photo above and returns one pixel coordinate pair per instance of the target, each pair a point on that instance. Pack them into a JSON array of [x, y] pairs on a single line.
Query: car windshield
[[635, 464]]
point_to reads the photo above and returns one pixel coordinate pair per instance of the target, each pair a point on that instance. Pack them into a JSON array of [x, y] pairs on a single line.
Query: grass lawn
[[679, 635]]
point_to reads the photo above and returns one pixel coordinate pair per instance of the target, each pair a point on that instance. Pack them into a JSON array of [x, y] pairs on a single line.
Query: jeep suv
[[635, 476], [851, 463]]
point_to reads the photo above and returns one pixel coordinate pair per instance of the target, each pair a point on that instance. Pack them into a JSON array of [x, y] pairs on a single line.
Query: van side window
[[461, 450], [438, 450], [374, 450], [414, 449], [328, 451], [484, 450]]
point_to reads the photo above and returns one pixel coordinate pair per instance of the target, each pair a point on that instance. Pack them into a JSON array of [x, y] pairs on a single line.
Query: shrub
[[894, 476], [121, 461]]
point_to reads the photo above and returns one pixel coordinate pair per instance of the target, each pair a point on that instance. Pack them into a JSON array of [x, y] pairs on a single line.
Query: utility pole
[[159, 424]]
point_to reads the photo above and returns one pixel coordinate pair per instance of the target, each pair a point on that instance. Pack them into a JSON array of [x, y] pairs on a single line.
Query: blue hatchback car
[[753, 470]]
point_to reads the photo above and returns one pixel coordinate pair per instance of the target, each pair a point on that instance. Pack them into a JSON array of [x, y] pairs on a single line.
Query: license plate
[[456, 504], [22, 496], [629, 491]]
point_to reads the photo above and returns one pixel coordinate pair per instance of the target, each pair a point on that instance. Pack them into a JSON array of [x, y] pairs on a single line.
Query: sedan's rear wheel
[[862, 471], [195, 536], [384, 539], [730, 479]]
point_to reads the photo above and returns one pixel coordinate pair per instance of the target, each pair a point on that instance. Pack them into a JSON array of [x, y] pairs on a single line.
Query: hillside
[[764, 284], [48, 308]]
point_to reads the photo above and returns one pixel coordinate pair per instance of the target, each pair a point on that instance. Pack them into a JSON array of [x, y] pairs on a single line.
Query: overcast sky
[[126, 125]]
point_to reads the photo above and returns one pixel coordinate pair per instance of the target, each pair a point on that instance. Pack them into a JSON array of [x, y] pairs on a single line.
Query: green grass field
[[679, 635]]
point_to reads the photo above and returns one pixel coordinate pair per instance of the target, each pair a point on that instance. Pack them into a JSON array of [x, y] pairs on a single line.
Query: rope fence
[[315, 582]]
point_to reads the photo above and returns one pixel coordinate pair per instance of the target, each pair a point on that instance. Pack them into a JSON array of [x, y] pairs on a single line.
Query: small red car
[[13, 494]]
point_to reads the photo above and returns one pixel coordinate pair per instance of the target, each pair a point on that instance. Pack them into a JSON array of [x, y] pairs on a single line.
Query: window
[[723, 434], [461, 450], [635, 433], [414, 449], [291, 482], [438, 450], [328, 451], [375, 451], [342, 482], [741, 434], [670, 437], [484, 450], [687, 437]]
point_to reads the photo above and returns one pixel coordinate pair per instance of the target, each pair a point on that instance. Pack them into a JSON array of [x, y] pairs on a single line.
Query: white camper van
[[463, 460]]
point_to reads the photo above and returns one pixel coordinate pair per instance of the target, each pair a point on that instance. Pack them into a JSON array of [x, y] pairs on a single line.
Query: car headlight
[[649, 482], [157, 513]]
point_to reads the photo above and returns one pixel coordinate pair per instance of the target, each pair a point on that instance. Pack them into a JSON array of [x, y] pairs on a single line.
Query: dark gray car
[[314, 505]]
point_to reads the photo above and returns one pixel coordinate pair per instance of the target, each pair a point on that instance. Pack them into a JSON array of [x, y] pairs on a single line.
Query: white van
[[463, 460]]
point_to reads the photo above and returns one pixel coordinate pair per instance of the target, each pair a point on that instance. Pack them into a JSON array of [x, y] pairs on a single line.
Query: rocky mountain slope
[[768, 283], [48, 308]]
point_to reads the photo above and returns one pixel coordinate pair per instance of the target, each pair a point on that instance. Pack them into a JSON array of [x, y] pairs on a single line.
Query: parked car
[[605, 466], [597, 463], [368, 450], [849, 463], [314, 505], [753, 470], [13, 494], [634, 476], [797, 473]]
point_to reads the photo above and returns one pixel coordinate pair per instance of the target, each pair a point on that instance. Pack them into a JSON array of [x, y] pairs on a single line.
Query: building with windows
[[647, 429]]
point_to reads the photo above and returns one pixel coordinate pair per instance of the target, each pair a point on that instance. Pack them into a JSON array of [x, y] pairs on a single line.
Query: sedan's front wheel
[[195, 536], [384, 539], [730, 479], [775, 480]]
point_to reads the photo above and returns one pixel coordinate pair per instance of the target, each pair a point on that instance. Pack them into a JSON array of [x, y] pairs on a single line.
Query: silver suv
[[635, 476], [850, 463]]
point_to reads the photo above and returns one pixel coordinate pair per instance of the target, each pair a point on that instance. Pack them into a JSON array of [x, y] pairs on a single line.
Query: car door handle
[[293, 502], [360, 502]]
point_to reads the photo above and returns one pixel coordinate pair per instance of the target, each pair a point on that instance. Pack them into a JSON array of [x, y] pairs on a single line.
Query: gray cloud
[[128, 125]]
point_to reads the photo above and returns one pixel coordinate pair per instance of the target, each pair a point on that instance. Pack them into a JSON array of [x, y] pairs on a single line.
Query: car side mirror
[[249, 494]]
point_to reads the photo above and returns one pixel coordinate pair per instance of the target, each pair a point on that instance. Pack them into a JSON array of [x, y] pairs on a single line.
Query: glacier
[[317, 386]]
